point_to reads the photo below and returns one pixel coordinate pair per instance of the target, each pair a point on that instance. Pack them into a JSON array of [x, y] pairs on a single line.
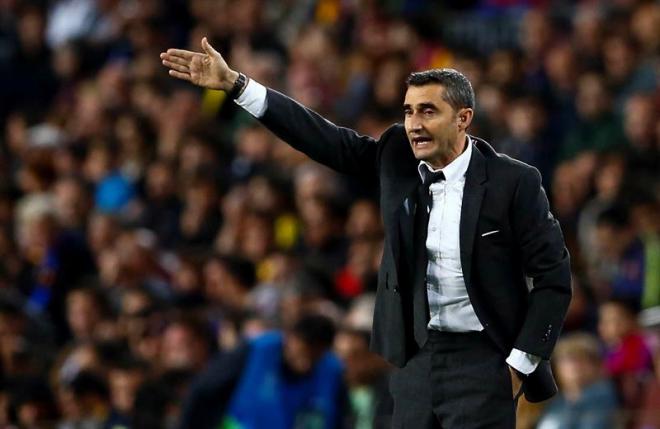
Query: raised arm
[[339, 148]]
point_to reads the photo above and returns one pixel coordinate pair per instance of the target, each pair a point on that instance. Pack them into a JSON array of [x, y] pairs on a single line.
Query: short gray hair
[[458, 89]]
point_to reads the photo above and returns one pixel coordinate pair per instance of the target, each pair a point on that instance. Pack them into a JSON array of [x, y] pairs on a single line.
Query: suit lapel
[[473, 194]]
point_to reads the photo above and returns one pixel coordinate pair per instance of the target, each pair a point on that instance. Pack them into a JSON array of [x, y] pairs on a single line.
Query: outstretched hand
[[207, 69]]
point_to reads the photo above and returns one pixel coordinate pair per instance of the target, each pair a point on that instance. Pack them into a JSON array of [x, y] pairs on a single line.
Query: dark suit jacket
[[500, 194]]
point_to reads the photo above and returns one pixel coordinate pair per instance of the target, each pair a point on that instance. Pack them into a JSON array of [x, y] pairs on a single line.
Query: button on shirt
[[449, 304]]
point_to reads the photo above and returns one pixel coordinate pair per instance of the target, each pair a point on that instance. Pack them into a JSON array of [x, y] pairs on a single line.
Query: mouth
[[420, 141]]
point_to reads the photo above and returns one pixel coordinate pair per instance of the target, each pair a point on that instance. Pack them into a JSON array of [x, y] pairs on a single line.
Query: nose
[[414, 124]]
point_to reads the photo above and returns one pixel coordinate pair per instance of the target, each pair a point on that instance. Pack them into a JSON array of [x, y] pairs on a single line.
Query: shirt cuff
[[523, 362], [253, 99]]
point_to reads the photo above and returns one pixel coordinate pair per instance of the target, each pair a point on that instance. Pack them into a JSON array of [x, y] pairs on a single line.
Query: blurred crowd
[[148, 229]]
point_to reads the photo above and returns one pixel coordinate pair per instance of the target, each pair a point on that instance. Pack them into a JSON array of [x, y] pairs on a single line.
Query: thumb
[[206, 46]]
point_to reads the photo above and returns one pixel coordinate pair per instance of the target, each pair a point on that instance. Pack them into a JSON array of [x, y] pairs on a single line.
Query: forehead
[[431, 93]]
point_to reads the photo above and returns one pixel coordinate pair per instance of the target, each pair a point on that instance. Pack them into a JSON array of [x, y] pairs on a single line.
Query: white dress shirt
[[449, 303]]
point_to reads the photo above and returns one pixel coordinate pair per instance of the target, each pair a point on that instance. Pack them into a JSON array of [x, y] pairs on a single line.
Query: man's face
[[432, 125]]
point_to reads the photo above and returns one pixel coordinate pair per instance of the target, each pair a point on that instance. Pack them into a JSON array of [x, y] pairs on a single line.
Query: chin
[[422, 154]]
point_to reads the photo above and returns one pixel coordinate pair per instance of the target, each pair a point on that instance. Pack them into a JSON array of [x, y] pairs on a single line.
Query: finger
[[177, 67], [181, 53], [176, 60], [208, 48], [179, 75]]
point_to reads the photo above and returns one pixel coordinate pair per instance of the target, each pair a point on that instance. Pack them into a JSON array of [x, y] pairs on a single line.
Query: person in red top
[[628, 359]]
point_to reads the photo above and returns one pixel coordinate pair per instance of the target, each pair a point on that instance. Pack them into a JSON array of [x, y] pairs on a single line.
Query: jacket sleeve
[[339, 148], [545, 260]]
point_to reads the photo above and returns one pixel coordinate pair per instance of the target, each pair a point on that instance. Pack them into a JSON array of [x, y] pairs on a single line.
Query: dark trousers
[[457, 380]]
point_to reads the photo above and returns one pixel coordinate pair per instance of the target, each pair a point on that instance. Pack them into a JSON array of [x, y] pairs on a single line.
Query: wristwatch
[[239, 86]]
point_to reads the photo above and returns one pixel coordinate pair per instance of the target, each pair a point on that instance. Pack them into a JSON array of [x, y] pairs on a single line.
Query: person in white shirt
[[467, 231]]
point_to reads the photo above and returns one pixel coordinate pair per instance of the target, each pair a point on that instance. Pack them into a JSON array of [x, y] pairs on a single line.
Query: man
[[276, 381], [467, 230]]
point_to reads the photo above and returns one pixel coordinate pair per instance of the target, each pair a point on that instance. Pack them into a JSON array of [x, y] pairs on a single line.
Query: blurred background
[[148, 227]]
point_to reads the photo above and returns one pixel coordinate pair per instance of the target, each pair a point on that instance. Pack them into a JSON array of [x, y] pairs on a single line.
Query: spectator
[[628, 359], [609, 177], [31, 401], [124, 379], [640, 117], [621, 248], [228, 282], [85, 313], [113, 191], [598, 128], [527, 140], [90, 401], [186, 345], [291, 378], [161, 211], [586, 399]]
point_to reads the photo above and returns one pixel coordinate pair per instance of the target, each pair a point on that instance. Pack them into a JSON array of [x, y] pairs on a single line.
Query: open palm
[[207, 69]]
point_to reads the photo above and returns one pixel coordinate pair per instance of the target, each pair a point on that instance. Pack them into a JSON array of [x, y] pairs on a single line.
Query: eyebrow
[[422, 106]]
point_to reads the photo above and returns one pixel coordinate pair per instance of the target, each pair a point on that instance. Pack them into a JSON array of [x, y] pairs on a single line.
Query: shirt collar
[[453, 171]]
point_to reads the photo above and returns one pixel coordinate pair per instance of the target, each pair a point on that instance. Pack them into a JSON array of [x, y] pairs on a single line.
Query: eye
[[429, 112]]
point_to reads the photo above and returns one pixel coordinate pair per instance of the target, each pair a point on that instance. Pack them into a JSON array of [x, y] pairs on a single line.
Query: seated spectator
[[608, 178], [278, 380], [626, 348], [113, 191], [527, 140], [86, 313], [228, 281], [185, 345], [31, 400], [162, 207], [89, 401], [597, 128], [620, 247], [124, 379], [586, 400], [627, 357], [640, 118]]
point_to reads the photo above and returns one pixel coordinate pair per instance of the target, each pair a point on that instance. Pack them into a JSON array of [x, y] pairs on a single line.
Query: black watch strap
[[239, 87]]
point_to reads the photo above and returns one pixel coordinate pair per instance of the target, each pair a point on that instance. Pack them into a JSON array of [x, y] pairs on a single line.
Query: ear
[[464, 118]]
